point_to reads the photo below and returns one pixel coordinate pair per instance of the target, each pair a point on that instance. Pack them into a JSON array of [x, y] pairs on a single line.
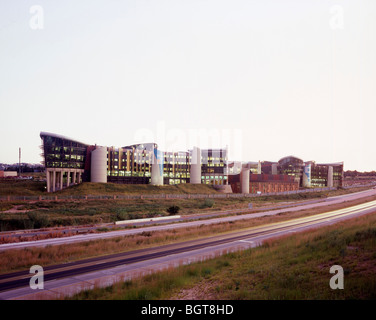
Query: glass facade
[[176, 167], [291, 166], [214, 166], [60, 152], [319, 172], [131, 164], [319, 175]]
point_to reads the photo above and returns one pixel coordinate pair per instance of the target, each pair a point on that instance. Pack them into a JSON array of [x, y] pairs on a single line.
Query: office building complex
[[308, 174], [68, 161]]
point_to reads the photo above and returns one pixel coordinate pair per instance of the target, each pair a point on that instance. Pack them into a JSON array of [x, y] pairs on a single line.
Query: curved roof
[[291, 157], [48, 134], [146, 146]]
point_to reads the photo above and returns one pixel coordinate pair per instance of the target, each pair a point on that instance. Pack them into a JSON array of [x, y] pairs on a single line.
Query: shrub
[[173, 210], [38, 220], [208, 203], [122, 215]]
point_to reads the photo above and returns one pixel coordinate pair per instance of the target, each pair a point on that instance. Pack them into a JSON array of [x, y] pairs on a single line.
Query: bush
[[122, 215], [208, 203], [173, 210], [38, 220]]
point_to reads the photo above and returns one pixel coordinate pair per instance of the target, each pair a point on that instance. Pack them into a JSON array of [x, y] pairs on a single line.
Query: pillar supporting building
[[55, 178]]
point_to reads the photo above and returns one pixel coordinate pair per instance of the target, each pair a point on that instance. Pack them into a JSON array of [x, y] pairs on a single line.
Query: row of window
[[59, 164]]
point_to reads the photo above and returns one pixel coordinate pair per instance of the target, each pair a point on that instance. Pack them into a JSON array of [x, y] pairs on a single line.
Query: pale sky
[[268, 78]]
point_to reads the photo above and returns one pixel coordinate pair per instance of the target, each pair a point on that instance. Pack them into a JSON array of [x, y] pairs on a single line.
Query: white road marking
[[251, 242]]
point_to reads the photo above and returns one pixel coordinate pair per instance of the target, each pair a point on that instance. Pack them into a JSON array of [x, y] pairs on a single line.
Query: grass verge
[[289, 268]]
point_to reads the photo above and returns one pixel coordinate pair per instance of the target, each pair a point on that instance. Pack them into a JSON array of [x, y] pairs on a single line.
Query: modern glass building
[[309, 173], [64, 160], [291, 166], [327, 174], [68, 162]]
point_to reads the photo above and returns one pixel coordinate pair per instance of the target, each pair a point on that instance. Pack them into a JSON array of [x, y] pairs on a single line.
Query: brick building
[[265, 183]]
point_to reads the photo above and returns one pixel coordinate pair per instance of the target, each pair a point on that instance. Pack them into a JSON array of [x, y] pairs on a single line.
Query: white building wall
[[10, 173]]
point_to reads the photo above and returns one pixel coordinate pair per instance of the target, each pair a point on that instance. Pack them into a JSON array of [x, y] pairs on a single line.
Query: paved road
[[251, 237]]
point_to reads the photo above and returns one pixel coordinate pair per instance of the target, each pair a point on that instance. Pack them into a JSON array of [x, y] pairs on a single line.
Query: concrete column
[[99, 165], [74, 177], [157, 168], [274, 168], [48, 178], [57, 180], [54, 180], [61, 173], [259, 168], [330, 177], [307, 176], [244, 180], [195, 174], [68, 178]]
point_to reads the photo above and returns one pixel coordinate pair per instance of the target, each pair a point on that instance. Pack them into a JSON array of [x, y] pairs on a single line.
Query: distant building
[[6, 174], [308, 174], [264, 183]]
